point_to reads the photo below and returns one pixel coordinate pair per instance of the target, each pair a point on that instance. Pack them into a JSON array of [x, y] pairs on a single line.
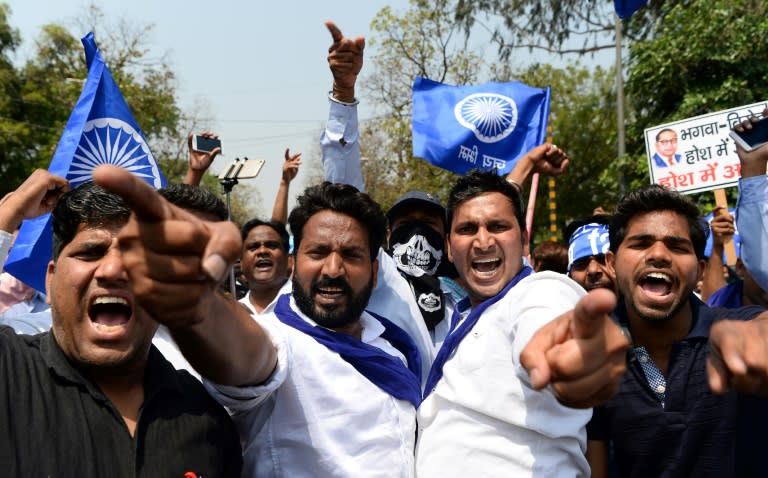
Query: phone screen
[[757, 136], [201, 143]]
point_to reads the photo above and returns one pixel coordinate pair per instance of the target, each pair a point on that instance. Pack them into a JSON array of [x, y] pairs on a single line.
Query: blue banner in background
[[486, 127], [100, 130]]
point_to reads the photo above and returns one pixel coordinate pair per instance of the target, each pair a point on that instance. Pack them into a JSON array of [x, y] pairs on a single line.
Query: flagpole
[[621, 134]]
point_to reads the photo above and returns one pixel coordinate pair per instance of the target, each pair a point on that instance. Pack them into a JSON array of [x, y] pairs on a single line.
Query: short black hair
[[88, 204], [655, 197], [278, 227], [195, 198], [344, 199], [478, 182]]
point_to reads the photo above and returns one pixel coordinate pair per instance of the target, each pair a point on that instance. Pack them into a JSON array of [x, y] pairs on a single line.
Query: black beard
[[332, 318]]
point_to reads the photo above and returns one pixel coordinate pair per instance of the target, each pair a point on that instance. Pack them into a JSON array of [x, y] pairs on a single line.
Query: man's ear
[[448, 247], [48, 280], [375, 272], [289, 271], [610, 262]]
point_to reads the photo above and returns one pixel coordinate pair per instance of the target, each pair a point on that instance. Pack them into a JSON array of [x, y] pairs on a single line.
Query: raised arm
[[290, 170], [752, 209], [339, 141], [199, 161], [175, 263], [546, 159], [722, 226], [36, 196]]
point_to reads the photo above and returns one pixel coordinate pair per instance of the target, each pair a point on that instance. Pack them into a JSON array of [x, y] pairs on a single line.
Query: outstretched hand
[[582, 353], [200, 161], [175, 261], [738, 360], [345, 58], [291, 166]]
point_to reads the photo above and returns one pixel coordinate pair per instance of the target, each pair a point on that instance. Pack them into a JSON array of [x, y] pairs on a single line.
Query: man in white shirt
[[317, 388], [265, 264], [485, 405]]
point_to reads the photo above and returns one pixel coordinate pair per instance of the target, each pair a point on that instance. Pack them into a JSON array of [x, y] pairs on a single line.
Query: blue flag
[[100, 130], [486, 127], [625, 8]]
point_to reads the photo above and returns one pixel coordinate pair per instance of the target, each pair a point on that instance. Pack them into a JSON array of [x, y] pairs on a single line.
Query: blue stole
[[456, 336], [383, 370]]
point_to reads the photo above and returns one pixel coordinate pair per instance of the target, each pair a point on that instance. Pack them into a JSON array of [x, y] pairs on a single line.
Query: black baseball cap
[[415, 198]]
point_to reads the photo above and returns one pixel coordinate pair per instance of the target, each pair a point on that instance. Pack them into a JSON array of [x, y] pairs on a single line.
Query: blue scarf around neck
[[456, 336], [383, 370]]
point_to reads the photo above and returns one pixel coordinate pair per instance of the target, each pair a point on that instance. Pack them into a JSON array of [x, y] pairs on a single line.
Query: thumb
[[591, 311], [222, 250], [360, 42]]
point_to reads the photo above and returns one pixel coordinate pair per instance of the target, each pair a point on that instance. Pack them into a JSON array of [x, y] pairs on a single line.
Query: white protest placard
[[696, 154]]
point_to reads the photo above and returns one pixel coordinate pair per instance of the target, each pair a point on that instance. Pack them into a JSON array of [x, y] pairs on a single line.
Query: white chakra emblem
[[112, 141], [490, 116]]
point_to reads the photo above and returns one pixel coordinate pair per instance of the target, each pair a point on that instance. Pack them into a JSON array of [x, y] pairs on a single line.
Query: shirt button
[[643, 359], [661, 389]]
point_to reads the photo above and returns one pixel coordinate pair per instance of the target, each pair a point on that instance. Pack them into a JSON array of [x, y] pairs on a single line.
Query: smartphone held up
[[205, 144], [753, 138]]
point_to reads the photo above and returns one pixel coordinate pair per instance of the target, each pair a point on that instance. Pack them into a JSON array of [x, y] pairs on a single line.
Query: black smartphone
[[754, 138], [205, 145]]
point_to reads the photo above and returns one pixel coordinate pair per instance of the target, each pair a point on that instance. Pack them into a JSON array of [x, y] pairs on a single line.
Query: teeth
[[110, 300], [659, 275], [485, 261]]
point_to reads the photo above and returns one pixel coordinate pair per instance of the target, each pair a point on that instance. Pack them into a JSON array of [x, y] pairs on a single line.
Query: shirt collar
[[702, 317], [159, 374]]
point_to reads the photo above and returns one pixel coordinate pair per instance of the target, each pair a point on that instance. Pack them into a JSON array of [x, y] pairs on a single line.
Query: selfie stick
[[228, 179]]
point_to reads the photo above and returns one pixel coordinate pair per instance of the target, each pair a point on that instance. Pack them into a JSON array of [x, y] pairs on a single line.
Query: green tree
[[706, 56], [38, 97]]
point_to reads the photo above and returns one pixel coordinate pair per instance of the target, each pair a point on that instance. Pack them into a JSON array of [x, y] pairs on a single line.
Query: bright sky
[[260, 67]]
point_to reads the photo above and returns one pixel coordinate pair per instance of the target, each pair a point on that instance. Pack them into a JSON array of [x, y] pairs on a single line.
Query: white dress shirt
[[752, 223], [317, 416], [340, 146], [285, 289], [483, 418]]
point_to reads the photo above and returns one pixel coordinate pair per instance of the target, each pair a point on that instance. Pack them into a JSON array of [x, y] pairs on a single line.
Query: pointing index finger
[[140, 197], [335, 32], [590, 311]]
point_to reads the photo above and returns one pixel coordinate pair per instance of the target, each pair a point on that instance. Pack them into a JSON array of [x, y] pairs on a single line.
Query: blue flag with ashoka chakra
[[100, 130], [486, 127]]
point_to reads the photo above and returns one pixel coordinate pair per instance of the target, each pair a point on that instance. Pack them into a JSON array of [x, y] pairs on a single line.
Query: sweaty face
[[95, 319], [667, 144], [486, 244], [264, 263], [334, 273], [591, 272], [655, 265]]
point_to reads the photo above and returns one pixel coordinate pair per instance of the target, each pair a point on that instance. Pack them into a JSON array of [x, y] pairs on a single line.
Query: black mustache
[[332, 283]]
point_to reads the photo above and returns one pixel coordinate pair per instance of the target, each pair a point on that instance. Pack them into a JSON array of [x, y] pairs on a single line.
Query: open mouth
[[656, 283], [263, 264], [108, 313], [486, 267]]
